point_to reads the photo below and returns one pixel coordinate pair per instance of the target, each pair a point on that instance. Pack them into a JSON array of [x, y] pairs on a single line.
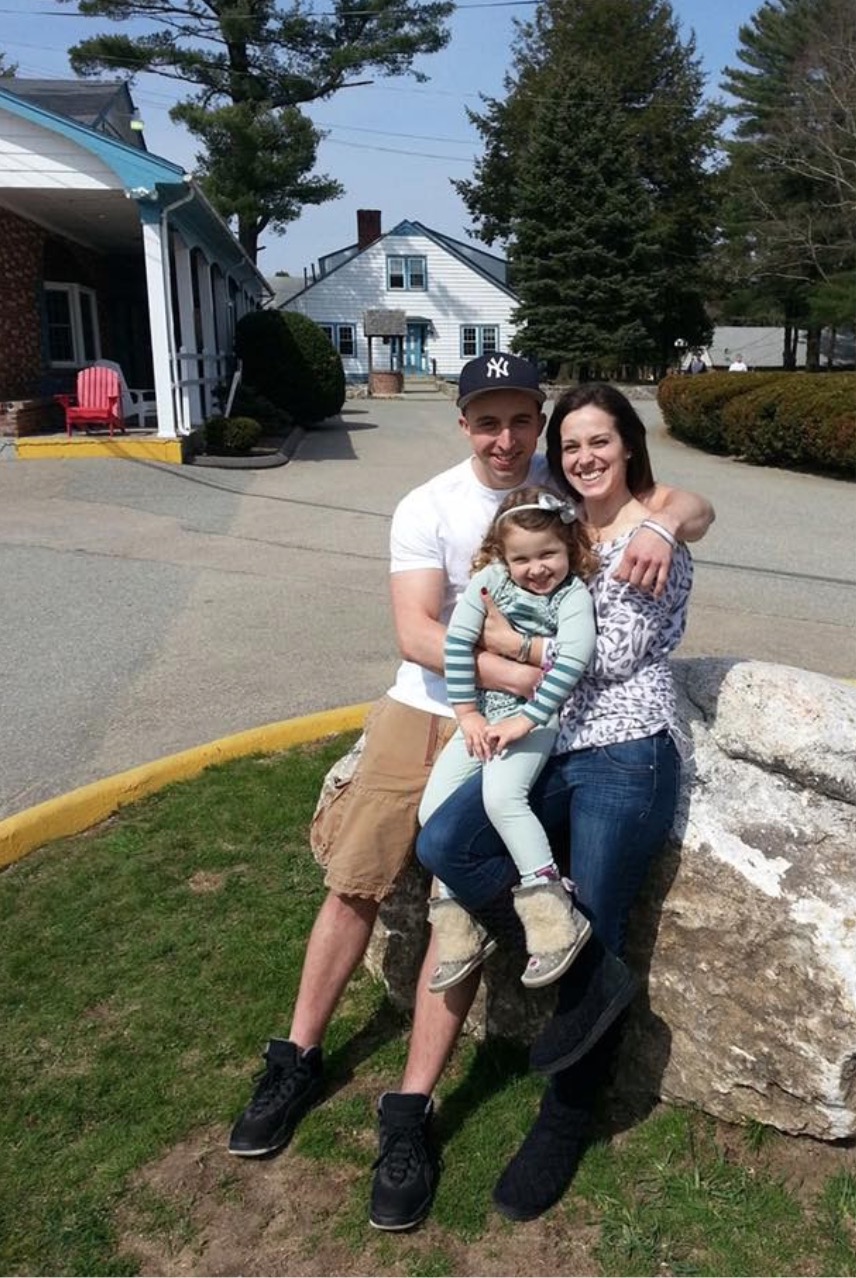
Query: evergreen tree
[[641, 66], [254, 63], [256, 165], [792, 216], [583, 252]]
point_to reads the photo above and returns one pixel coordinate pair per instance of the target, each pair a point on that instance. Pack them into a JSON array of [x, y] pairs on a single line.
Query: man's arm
[[687, 516], [681, 515], [417, 602]]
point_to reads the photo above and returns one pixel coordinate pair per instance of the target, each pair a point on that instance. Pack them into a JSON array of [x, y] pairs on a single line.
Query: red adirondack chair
[[99, 400]]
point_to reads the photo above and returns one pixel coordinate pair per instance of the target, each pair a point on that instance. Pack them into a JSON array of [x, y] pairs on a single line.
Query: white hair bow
[[566, 510], [549, 502]]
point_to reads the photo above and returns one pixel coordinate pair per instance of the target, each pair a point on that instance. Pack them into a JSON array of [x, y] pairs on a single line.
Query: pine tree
[[640, 65], [792, 174], [583, 253], [254, 63]]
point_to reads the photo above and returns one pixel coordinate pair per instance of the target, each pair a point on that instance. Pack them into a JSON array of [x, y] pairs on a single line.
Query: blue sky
[[393, 144]]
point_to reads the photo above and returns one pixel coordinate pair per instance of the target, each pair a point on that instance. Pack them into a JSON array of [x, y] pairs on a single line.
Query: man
[[738, 365], [366, 835]]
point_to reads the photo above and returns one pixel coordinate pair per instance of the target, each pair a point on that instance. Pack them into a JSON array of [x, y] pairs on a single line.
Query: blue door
[[414, 349]]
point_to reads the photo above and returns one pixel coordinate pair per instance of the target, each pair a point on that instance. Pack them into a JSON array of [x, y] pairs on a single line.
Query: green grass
[[144, 963]]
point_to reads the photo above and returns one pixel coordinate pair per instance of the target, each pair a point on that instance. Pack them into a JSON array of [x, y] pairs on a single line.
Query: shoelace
[[403, 1151], [275, 1085]]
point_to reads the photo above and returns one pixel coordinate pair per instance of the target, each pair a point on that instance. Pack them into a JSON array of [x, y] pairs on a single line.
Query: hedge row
[[802, 421]]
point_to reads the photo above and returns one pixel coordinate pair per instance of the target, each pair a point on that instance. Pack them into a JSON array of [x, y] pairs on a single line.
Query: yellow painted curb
[[79, 809], [35, 448]]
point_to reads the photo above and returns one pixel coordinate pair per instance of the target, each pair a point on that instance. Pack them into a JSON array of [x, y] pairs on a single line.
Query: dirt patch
[[199, 1210], [211, 880], [801, 1165], [293, 1215]]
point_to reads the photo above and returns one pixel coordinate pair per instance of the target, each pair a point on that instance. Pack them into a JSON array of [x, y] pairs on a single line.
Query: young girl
[[530, 563]]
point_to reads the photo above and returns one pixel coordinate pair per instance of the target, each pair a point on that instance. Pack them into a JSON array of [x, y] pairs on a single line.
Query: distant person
[[738, 365], [697, 364], [532, 566]]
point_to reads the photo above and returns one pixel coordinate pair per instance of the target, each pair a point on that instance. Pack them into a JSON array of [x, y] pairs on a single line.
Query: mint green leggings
[[506, 782]]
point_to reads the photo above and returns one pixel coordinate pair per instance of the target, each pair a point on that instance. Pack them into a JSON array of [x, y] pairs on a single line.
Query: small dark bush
[[289, 360], [231, 435], [272, 419]]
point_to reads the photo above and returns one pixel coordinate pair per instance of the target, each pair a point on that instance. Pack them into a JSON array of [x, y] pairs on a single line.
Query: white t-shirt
[[441, 525]]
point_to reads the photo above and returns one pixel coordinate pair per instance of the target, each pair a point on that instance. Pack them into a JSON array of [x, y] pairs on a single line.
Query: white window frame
[[74, 293], [407, 267], [334, 332], [479, 345]]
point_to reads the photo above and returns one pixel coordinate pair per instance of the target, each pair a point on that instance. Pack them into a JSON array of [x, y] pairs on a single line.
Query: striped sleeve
[[462, 636], [573, 645]]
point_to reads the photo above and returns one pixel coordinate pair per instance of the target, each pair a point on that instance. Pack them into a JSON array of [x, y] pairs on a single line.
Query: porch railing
[[197, 376]]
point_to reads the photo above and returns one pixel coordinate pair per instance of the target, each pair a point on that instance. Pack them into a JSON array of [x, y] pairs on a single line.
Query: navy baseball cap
[[498, 371]]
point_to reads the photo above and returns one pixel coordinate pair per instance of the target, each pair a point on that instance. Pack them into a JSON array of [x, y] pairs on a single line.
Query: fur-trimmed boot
[[556, 931], [463, 944]]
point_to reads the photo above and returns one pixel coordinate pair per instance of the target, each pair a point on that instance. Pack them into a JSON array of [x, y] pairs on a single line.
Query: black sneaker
[[406, 1168], [290, 1085]]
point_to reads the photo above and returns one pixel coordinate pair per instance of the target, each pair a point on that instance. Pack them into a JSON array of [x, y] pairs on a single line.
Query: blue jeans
[[616, 803]]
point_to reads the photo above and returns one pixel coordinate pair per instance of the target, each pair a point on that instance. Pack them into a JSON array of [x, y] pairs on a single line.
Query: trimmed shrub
[[289, 360], [229, 436], [805, 421], [692, 407]]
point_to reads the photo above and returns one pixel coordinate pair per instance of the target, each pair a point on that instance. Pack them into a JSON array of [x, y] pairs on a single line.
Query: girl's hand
[[502, 734], [474, 728], [498, 635]]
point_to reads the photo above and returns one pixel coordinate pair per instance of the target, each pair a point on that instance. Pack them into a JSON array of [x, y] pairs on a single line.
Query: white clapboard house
[[455, 297]]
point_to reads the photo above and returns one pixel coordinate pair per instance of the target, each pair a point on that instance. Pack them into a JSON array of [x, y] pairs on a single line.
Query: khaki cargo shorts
[[366, 823]]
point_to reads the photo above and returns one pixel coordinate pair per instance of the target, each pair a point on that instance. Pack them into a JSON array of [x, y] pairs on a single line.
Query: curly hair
[[582, 559]]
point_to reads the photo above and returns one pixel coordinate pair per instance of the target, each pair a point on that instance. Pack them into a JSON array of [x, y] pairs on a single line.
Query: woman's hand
[[474, 729], [502, 734], [498, 635]]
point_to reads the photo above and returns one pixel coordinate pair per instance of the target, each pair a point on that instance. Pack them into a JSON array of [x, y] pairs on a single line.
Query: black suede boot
[[547, 1161], [592, 995]]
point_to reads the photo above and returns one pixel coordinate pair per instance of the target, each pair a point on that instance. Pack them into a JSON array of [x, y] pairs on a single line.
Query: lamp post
[[680, 347]]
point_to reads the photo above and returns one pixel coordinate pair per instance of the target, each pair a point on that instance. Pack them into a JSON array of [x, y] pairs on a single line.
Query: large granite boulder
[[746, 930], [747, 927]]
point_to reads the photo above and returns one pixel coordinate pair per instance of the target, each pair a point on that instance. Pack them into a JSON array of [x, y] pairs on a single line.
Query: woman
[[612, 783]]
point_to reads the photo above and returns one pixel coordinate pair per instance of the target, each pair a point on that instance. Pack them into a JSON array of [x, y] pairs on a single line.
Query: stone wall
[[746, 930]]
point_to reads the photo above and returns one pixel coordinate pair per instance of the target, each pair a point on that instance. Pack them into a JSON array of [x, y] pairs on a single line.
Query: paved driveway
[[150, 608]]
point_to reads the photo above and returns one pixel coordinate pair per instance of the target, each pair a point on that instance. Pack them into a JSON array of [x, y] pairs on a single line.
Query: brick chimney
[[368, 227]]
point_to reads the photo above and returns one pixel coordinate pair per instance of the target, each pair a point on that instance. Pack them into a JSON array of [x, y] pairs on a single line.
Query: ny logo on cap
[[497, 367]]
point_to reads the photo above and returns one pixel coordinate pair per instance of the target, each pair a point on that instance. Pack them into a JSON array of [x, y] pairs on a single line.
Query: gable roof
[[466, 254], [106, 106], [157, 186]]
